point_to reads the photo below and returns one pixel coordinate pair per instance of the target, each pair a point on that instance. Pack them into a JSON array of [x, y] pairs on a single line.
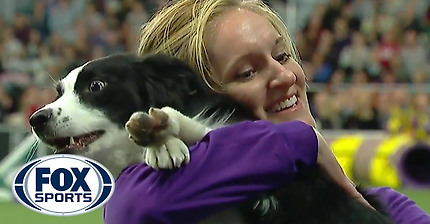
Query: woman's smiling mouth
[[283, 105]]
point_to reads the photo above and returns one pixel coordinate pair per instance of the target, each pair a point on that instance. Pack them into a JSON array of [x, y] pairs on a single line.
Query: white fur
[[114, 149], [173, 152], [71, 118]]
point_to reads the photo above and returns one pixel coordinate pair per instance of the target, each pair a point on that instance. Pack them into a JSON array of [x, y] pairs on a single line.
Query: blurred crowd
[[44, 39], [377, 48], [346, 47]]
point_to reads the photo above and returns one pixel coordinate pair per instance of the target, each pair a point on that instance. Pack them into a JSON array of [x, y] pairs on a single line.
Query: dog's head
[[96, 99]]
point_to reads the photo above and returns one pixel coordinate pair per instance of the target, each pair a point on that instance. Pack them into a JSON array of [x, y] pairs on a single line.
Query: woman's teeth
[[284, 104]]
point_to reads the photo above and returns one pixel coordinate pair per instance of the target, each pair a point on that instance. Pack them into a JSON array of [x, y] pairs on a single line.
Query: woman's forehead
[[236, 29], [238, 32], [243, 19]]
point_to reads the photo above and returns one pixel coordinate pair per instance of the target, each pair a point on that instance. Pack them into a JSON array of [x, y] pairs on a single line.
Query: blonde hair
[[179, 28]]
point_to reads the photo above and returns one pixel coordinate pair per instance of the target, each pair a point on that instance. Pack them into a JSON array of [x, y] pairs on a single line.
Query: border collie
[[104, 102]]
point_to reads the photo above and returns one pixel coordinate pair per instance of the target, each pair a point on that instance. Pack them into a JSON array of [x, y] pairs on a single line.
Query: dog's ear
[[174, 72], [168, 80]]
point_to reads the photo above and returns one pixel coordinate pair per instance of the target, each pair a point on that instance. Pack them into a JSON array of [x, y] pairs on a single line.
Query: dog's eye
[[96, 86]]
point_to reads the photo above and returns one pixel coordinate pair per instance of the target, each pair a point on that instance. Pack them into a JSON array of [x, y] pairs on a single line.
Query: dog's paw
[[152, 128], [173, 154], [139, 128], [158, 131]]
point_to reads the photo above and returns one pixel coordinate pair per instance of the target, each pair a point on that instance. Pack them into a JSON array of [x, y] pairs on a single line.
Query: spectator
[[327, 107], [420, 117], [355, 57], [34, 43], [39, 19], [5, 104], [12, 47], [388, 47], [341, 38], [22, 28], [322, 69], [413, 54], [137, 16]]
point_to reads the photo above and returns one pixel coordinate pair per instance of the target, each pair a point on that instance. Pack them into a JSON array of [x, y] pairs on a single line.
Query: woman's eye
[[96, 86], [282, 58], [245, 75]]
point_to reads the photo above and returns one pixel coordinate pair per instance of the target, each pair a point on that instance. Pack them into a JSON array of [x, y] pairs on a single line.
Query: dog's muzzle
[[40, 119], [42, 122]]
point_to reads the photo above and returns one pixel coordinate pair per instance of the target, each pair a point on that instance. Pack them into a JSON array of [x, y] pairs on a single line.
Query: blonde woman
[[240, 48]]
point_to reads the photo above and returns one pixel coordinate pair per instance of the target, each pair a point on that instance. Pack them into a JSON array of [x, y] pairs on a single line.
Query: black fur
[[312, 198], [136, 84]]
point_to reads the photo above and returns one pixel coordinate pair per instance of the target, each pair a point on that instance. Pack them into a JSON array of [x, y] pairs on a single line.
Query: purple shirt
[[401, 209], [229, 165]]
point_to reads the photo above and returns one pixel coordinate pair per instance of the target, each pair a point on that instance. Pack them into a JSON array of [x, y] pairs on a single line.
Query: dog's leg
[[163, 133], [188, 129]]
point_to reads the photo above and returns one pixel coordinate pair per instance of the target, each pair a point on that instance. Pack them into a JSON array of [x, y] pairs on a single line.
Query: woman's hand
[[328, 162]]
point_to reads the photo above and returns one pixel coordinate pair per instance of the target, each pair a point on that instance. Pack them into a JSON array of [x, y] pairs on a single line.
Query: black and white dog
[[97, 100]]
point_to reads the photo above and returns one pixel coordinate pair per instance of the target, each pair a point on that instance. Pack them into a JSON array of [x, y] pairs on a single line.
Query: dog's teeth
[[72, 141]]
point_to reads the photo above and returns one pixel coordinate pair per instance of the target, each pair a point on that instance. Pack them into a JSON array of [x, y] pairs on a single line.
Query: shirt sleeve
[[229, 165], [400, 208]]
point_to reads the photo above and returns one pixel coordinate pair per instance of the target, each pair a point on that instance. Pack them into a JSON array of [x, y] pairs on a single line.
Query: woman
[[241, 48]]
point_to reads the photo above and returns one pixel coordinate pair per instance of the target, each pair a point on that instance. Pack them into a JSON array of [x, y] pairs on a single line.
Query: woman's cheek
[[244, 94]]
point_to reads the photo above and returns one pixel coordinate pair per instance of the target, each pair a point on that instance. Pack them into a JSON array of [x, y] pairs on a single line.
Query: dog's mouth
[[74, 144]]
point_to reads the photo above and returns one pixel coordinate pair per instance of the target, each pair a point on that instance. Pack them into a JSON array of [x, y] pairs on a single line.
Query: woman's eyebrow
[[234, 63]]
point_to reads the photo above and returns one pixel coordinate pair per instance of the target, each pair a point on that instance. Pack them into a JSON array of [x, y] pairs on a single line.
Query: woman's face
[[249, 56]]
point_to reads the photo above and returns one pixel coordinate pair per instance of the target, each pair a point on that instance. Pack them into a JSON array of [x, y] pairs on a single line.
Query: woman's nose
[[282, 77]]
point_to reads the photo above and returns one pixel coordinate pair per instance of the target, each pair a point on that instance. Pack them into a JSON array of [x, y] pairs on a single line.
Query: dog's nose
[[40, 117]]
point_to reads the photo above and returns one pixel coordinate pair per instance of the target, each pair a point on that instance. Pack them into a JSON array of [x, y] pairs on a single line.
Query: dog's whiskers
[[52, 78]]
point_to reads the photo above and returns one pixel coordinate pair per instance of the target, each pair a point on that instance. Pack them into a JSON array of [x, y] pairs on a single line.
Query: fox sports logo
[[63, 185]]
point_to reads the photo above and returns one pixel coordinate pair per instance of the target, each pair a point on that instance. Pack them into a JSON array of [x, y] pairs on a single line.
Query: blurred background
[[367, 61]]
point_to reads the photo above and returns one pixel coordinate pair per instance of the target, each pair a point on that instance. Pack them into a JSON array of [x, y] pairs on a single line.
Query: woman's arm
[[401, 209], [227, 166]]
